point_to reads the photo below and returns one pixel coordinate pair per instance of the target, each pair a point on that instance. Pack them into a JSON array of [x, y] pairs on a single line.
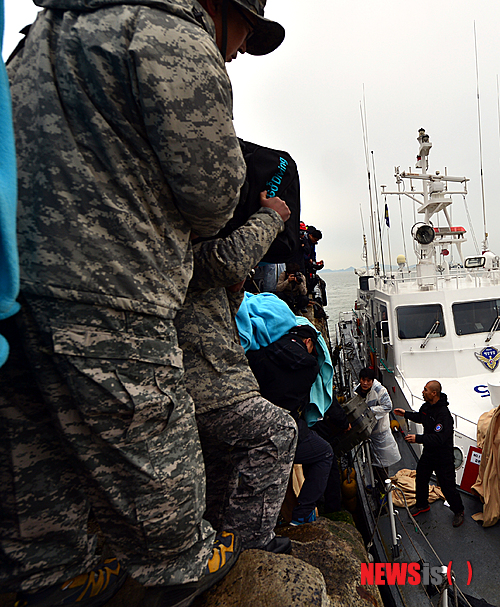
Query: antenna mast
[[365, 143], [378, 215], [485, 241]]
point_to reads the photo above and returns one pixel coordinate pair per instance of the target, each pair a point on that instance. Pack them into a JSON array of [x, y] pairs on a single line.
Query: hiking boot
[[279, 545], [416, 510], [94, 588], [310, 518], [458, 519], [226, 550]]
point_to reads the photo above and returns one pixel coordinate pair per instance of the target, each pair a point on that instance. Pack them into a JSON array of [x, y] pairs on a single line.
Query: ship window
[[475, 316], [416, 322]]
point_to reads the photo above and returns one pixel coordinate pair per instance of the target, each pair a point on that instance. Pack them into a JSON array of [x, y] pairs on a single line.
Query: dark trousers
[[333, 493], [316, 457], [445, 472], [331, 428]]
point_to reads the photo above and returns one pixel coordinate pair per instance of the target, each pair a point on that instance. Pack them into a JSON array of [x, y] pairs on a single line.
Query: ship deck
[[469, 543]]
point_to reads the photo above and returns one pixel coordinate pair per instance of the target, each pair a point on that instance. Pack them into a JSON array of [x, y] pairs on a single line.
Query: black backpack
[[276, 172]]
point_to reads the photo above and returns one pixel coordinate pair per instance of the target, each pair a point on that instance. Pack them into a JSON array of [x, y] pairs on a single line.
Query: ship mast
[[432, 199]]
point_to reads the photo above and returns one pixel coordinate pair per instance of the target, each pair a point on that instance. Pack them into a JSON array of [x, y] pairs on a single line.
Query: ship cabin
[[444, 326]]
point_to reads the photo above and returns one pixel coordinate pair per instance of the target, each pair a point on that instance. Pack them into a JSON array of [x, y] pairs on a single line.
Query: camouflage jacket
[[216, 368], [125, 141]]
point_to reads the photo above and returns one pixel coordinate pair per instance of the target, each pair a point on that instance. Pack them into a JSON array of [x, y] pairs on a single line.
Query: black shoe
[[279, 545], [90, 589], [458, 519], [416, 510], [227, 548]]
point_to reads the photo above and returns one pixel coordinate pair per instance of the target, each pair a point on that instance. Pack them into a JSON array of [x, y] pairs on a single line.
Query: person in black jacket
[[285, 371], [437, 455]]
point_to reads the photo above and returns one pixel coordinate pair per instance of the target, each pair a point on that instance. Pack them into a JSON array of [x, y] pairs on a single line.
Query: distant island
[[325, 270]]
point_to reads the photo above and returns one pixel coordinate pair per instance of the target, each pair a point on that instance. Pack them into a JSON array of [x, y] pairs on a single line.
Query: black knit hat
[[315, 233], [305, 332]]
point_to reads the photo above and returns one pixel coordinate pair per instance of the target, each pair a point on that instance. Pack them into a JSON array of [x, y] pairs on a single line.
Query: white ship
[[431, 319]]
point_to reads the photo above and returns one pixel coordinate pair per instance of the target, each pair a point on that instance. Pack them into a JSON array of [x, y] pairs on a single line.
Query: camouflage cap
[[267, 34]]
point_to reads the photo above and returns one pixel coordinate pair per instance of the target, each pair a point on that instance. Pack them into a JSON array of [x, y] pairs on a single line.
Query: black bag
[[276, 172]]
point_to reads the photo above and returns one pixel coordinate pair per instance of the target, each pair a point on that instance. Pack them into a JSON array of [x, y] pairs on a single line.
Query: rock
[[264, 579], [337, 550], [324, 570]]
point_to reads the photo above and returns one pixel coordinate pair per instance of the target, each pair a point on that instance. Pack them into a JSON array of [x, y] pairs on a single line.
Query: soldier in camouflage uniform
[[125, 141], [248, 443]]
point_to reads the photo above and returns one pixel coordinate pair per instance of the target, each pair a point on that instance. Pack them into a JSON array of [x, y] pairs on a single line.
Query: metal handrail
[[476, 278], [455, 415], [408, 386]]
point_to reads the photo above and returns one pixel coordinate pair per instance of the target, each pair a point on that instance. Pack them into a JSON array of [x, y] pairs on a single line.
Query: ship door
[[383, 336], [382, 324]]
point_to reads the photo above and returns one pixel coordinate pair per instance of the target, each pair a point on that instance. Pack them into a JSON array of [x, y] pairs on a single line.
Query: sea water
[[341, 290]]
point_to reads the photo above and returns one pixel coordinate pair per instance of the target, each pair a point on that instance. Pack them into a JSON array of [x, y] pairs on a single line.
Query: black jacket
[[333, 424], [285, 371], [438, 426]]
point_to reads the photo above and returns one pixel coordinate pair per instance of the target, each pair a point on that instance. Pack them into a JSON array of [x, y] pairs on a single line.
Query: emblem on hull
[[490, 357]]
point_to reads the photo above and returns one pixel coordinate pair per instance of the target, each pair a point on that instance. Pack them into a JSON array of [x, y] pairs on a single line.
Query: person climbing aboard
[[286, 370]]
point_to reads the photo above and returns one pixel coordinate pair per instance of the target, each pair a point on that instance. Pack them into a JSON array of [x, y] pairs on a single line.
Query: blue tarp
[[9, 263], [261, 320]]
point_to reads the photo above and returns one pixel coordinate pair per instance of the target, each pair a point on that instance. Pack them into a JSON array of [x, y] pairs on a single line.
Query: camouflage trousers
[[248, 450], [107, 427]]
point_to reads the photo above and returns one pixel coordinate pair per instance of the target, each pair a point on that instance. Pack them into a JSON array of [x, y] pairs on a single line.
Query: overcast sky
[[416, 64]]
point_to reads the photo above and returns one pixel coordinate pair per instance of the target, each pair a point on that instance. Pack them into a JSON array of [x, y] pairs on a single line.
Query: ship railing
[[346, 316], [461, 424], [400, 282], [407, 386], [465, 426]]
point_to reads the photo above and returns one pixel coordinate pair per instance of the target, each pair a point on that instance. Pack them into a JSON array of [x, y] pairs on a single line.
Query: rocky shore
[[322, 571]]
